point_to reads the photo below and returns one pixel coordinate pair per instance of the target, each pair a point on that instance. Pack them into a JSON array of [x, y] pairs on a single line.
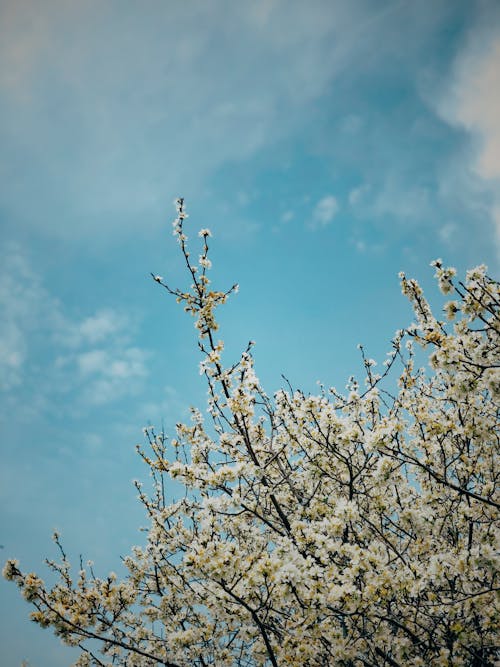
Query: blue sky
[[327, 145]]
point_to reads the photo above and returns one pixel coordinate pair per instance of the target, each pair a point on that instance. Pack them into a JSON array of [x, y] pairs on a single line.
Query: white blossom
[[312, 530]]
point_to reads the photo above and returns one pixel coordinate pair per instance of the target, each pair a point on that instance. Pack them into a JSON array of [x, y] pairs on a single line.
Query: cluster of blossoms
[[314, 531]]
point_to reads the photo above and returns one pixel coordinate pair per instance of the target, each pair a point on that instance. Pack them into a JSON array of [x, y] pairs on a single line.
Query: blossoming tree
[[357, 530]]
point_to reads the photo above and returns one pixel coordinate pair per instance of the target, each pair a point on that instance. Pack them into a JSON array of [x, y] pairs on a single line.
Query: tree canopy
[[312, 530]]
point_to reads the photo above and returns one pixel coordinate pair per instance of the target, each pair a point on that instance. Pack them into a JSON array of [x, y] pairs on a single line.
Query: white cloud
[[392, 198], [100, 326], [111, 363], [324, 212], [447, 232], [103, 326], [122, 377], [35, 328], [405, 203], [474, 102], [27, 309], [471, 101], [356, 195], [108, 113], [107, 374], [12, 356], [91, 362]]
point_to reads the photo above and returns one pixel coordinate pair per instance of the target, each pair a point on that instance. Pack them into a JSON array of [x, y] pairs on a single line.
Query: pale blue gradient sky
[[328, 145]]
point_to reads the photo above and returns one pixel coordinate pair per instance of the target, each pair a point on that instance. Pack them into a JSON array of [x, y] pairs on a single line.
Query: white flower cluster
[[314, 530]]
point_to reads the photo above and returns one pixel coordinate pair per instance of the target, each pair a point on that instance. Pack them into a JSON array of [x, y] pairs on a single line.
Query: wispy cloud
[[28, 310], [470, 101], [12, 355], [92, 356], [109, 113], [395, 198], [104, 325], [324, 212], [111, 374], [474, 100], [133, 107]]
